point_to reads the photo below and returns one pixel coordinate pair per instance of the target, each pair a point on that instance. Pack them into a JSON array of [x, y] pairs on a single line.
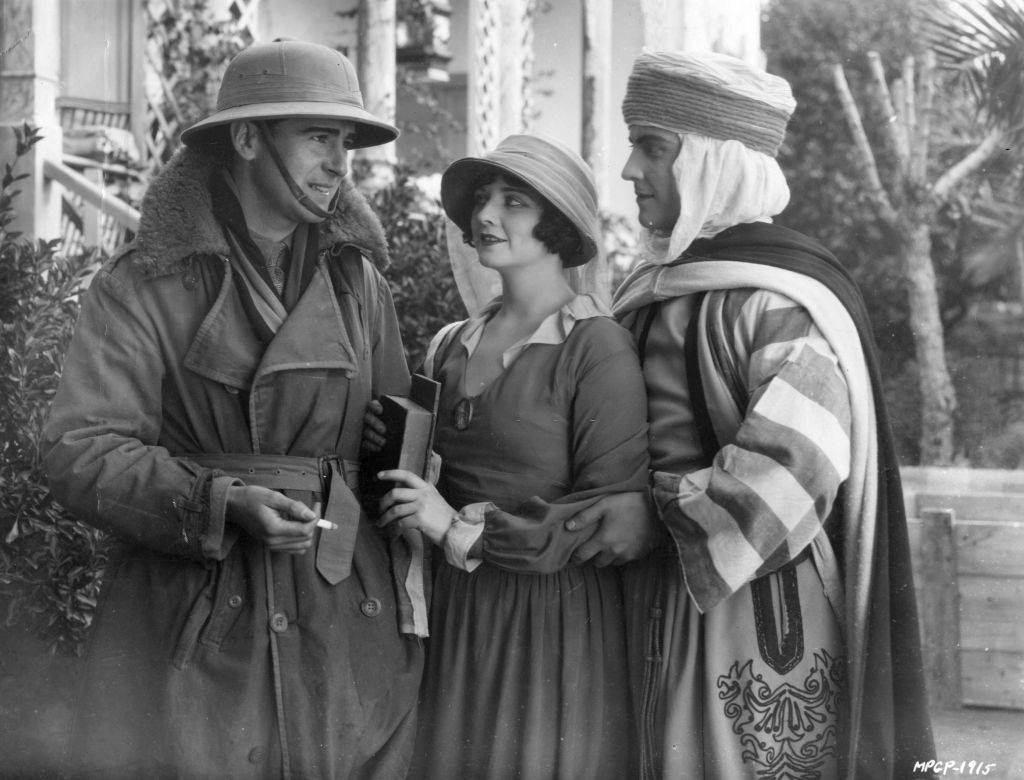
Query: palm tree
[[983, 47]]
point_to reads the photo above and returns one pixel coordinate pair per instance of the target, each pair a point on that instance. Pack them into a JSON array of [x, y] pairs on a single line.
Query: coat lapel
[[225, 348], [313, 336]]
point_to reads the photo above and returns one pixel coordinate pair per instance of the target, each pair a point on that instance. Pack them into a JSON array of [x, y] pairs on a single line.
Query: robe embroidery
[[787, 731]]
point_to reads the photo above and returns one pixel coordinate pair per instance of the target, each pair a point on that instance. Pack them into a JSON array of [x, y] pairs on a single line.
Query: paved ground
[[983, 736]]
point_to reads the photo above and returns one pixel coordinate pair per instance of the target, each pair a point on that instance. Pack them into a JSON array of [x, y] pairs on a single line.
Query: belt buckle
[[325, 464]]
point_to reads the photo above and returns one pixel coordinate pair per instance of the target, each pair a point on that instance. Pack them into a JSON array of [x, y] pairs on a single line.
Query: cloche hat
[[289, 78], [551, 168]]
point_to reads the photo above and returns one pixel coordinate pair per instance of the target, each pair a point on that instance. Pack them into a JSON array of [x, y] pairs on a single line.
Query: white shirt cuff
[[467, 527]]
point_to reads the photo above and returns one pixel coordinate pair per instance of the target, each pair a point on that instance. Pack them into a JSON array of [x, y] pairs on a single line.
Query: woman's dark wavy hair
[[554, 230]]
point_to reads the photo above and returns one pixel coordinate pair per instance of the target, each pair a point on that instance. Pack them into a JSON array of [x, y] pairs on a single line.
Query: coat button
[[257, 755], [235, 601], [370, 607], [279, 623]]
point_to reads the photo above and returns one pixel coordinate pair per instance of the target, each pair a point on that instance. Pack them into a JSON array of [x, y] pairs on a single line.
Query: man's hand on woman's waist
[[627, 530]]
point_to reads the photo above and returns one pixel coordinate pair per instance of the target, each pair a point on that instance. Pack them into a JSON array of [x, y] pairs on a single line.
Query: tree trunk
[[938, 399], [377, 74]]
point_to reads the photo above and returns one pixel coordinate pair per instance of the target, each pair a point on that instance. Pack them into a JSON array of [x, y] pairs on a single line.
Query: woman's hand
[[374, 429], [415, 504]]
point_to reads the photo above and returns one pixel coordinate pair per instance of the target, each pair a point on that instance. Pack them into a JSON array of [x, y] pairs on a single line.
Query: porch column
[[664, 21], [516, 57], [483, 117], [377, 74], [29, 72], [500, 56], [597, 77]]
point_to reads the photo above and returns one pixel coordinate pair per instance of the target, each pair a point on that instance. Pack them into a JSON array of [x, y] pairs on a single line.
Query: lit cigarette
[[327, 525]]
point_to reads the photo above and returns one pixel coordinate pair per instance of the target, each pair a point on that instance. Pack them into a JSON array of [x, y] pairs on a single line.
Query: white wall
[[95, 58], [309, 20]]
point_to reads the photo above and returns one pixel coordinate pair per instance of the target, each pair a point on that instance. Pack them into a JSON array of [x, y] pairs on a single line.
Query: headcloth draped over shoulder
[[731, 118]]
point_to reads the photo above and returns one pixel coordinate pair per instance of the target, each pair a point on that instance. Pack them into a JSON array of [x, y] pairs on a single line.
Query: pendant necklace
[[463, 413]]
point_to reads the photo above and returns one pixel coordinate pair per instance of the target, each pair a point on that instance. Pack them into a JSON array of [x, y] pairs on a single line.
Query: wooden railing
[[78, 112], [101, 219], [95, 196]]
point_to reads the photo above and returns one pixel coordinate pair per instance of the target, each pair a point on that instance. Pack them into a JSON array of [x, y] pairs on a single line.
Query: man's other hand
[[374, 429]]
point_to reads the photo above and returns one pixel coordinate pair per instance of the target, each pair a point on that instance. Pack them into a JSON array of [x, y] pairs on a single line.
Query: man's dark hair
[[216, 142], [554, 230]]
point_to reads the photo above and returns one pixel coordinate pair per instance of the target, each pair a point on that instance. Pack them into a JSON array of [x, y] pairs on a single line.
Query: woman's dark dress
[[527, 673]]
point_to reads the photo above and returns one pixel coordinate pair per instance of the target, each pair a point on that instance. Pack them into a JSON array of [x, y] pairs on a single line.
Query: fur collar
[[177, 219]]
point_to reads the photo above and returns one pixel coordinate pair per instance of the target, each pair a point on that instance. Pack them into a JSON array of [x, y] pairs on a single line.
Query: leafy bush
[[195, 48], [420, 276], [50, 565]]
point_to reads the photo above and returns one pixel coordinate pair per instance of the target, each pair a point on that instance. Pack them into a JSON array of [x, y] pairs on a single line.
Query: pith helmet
[[288, 78]]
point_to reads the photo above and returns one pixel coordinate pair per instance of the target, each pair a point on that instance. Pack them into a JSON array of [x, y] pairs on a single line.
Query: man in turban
[[774, 625]]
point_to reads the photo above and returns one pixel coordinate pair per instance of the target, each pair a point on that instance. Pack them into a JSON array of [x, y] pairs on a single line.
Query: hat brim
[[457, 196], [370, 131]]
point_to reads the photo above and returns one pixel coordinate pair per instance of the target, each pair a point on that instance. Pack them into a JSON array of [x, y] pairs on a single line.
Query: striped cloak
[[885, 726]]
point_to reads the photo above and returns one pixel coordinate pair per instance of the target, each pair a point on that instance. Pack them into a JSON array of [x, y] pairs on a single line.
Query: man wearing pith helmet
[[253, 623], [774, 631]]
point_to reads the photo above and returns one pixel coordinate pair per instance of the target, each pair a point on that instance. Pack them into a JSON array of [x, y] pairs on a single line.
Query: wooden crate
[[967, 548]]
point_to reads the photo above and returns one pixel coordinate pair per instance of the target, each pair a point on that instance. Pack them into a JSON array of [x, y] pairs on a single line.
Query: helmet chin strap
[[304, 200]]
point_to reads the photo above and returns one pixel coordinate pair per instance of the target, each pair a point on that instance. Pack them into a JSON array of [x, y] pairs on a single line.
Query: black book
[[410, 422]]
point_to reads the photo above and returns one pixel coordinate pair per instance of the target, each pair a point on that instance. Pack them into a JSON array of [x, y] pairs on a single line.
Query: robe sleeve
[[609, 441], [770, 489], [100, 440]]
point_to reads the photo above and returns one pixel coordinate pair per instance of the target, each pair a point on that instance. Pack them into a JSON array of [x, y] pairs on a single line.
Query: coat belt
[[328, 475]]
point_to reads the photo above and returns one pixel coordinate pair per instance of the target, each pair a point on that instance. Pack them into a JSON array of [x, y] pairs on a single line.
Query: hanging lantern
[[423, 36]]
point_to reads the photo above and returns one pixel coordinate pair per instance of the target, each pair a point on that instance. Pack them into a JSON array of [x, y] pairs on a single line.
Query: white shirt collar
[[554, 329]]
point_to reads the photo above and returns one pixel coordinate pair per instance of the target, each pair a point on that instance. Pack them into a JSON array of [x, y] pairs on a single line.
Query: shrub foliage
[[50, 565], [419, 275]]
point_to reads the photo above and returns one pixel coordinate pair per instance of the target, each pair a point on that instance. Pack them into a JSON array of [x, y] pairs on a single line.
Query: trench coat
[[211, 656]]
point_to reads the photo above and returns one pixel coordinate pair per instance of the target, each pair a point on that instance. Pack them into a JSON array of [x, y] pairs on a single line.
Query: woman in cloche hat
[[542, 410]]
